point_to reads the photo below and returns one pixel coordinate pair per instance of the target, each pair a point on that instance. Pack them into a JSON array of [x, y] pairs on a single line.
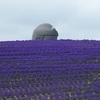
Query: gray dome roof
[[44, 32]]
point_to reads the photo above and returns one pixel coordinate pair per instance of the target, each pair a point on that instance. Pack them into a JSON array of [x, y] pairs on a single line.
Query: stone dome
[[44, 32]]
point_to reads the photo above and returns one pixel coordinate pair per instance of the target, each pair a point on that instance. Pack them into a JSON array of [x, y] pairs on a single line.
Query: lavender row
[[86, 43]]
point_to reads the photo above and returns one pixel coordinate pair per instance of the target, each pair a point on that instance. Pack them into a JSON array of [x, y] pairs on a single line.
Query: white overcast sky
[[73, 19]]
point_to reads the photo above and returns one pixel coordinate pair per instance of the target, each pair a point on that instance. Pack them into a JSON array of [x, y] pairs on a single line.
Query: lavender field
[[50, 70]]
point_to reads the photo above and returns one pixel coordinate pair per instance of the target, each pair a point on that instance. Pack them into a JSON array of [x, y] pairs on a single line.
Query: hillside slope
[[50, 70]]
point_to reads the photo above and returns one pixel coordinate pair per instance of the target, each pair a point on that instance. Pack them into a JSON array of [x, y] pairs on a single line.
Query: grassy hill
[[50, 70]]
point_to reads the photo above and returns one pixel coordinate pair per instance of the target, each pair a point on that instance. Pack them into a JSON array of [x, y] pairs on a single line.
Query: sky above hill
[[73, 19]]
